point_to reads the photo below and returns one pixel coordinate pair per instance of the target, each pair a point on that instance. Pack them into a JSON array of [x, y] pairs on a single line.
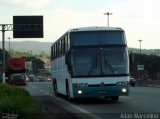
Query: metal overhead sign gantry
[[22, 27]]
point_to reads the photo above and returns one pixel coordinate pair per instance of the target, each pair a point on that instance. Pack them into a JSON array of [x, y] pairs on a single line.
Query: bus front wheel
[[68, 92]]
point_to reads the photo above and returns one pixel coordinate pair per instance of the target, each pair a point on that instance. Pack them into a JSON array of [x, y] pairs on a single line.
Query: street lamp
[[140, 66], [108, 13], [140, 45]]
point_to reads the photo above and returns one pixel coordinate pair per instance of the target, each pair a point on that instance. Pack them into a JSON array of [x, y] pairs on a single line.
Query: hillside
[[44, 47], [146, 51], [30, 46]]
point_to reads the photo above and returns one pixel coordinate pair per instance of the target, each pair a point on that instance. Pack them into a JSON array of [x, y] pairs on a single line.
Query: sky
[[139, 18]]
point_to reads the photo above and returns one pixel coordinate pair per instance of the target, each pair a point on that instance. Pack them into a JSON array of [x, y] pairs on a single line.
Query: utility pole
[[3, 50], [140, 45], [108, 13], [140, 62], [9, 47], [22, 27], [18, 28]]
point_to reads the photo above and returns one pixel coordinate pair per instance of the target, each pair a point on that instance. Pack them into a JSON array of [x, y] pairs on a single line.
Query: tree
[[37, 63], [1, 55], [151, 65]]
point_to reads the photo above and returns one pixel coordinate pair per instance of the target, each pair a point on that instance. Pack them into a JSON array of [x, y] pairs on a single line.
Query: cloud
[[25, 3]]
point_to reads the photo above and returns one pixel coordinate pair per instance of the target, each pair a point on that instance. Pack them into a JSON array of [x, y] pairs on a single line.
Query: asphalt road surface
[[142, 103]]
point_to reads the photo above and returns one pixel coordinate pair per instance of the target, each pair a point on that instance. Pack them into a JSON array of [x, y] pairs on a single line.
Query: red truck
[[16, 71]]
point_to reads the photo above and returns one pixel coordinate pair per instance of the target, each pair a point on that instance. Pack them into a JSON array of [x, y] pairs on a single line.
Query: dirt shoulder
[[50, 109]]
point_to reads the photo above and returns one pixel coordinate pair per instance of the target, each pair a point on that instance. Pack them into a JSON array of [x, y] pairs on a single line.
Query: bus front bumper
[[100, 91]]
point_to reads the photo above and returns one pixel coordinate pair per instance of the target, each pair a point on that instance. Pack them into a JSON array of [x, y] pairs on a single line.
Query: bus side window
[[63, 46], [60, 47], [66, 44], [56, 50], [52, 53], [68, 39], [68, 61]]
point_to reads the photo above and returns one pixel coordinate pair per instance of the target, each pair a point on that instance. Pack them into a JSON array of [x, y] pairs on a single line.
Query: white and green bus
[[91, 62]]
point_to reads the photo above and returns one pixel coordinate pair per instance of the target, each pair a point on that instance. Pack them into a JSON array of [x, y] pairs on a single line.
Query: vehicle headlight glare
[[79, 92], [124, 90]]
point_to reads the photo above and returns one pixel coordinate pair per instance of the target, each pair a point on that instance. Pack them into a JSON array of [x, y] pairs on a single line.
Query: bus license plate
[[102, 91]]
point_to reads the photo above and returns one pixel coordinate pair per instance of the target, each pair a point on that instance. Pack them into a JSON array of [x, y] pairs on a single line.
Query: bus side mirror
[[68, 61], [67, 58]]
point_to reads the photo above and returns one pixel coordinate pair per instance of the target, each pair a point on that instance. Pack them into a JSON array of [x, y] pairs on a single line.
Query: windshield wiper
[[108, 64], [93, 66]]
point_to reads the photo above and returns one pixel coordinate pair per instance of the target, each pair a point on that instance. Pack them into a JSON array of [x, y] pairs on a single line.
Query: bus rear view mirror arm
[[68, 61]]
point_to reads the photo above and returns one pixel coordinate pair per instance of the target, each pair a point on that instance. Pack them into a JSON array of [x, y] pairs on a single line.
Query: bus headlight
[[122, 83], [79, 92], [124, 90]]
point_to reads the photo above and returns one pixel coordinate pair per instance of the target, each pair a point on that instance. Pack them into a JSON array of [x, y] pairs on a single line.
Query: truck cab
[[17, 79]]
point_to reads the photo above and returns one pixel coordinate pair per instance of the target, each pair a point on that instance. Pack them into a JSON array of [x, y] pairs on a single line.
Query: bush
[[17, 101]]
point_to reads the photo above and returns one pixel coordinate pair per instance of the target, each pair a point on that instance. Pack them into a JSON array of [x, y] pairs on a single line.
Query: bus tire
[[115, 98], [68, 92]]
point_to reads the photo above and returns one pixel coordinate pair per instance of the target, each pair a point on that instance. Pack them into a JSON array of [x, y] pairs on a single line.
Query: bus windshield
[[98, 38], [110, 61]]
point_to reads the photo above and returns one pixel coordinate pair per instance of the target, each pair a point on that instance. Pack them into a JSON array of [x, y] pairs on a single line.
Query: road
[[144, 100]]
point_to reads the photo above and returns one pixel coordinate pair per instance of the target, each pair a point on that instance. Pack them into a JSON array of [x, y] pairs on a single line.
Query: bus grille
[[99, 85]]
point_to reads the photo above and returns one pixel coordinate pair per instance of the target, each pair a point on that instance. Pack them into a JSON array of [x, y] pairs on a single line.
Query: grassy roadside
[[16, 102]]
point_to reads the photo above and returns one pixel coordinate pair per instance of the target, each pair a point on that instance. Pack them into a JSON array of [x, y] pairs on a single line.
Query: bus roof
[[96, 28], [92, 28]]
